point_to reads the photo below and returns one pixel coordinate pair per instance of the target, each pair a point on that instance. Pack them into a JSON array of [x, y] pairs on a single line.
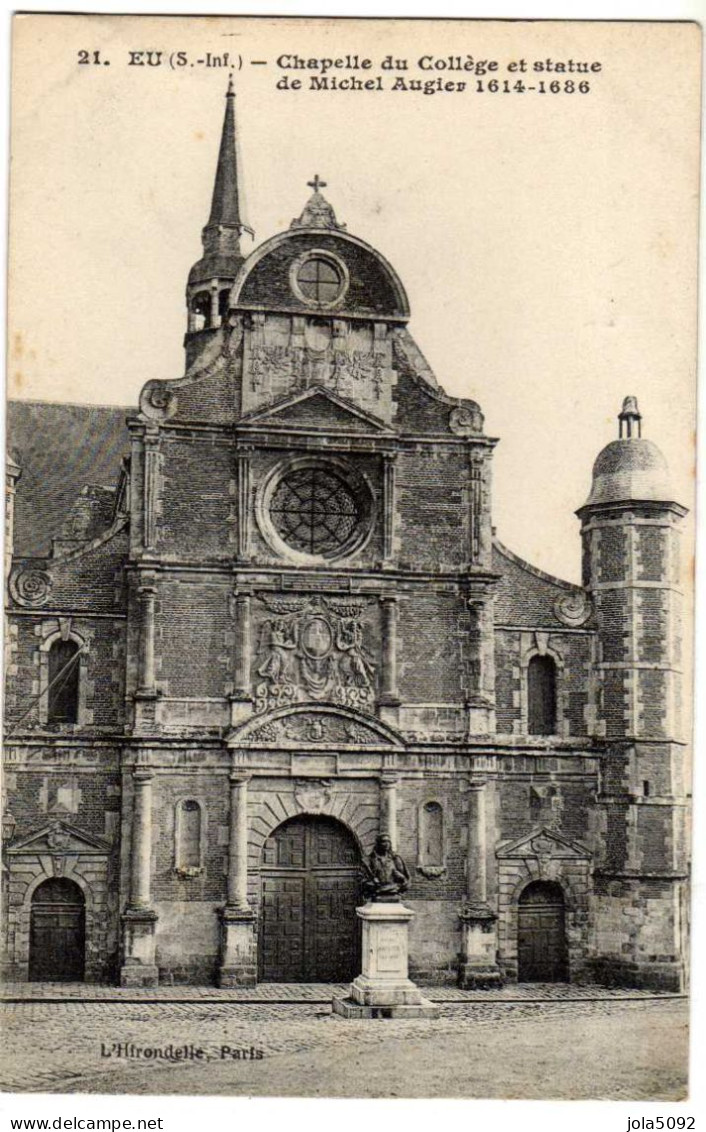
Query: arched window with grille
[[64, 679], [188, 836], [541, 696]]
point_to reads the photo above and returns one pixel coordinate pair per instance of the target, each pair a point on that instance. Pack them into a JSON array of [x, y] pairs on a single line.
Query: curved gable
[[527, 597], [373, 289]]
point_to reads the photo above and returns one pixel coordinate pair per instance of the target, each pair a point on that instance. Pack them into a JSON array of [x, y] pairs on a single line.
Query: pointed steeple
[[221, 236], [225, 203]]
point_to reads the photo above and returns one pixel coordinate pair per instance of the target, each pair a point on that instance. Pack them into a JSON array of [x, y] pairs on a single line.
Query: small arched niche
[[188, 836], [431, 852]]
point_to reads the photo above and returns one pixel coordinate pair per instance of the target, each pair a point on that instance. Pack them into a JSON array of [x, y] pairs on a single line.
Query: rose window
[[314, 512]]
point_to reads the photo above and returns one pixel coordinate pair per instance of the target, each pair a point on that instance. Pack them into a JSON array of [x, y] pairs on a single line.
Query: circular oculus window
[[317, 511], [320, 280]]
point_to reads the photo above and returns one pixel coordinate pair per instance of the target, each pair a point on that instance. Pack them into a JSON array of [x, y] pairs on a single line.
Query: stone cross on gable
[[316, 184]]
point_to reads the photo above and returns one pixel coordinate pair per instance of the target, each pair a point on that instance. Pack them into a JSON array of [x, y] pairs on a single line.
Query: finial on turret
[[630, 419], [230, 93]]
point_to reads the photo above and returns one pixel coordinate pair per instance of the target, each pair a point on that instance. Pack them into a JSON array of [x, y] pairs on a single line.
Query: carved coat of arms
[[313, 649]]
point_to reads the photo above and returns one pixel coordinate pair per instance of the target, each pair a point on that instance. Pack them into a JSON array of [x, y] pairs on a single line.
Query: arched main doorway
[[541, 934], [309, 932], [57, 938]]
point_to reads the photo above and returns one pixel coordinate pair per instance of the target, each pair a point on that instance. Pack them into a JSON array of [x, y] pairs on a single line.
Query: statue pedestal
[[139, 968], [478, 967], [384, 989], [238, 960]]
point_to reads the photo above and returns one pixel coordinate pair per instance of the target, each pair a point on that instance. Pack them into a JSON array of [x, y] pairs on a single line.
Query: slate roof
[[526, 596], [61, 449], [632, 468]]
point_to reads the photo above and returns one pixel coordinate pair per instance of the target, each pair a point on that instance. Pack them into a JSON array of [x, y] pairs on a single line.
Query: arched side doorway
[[57, 939], [541, 934], [310, 888]]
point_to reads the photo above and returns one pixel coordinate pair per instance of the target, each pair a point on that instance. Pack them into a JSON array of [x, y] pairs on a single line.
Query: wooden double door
[[311, 876], [57, 940], [541, 934]]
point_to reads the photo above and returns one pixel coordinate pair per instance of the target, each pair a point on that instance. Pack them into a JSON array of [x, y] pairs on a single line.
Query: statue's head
[[383, 844]]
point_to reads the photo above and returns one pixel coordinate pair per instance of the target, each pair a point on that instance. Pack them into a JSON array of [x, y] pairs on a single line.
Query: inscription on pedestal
[[384, 989]]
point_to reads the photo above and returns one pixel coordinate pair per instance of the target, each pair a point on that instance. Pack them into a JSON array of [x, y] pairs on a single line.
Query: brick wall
[[431, 632], [433, 508], [507, 681], [636, 930], [612, 560], [198, 505], [194, 637], [211, 791]]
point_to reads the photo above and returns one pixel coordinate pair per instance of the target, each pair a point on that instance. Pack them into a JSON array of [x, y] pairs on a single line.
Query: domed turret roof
[[630, 468]]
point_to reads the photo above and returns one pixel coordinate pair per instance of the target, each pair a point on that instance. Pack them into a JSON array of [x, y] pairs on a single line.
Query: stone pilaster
[[241, 698], [215, 319], [140, 919], [480, 704], [389, 700], [389, 506], [150, 491], [388, 807], [244, 476], [478, 959], [147, 592], [238, 965]]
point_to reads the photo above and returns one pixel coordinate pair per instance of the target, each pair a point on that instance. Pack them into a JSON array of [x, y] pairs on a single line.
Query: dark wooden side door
[[309, 930], [541, 935], [57, 943]]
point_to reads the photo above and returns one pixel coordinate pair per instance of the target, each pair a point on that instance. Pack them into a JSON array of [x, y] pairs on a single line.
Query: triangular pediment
[[543, 843], [313, 727], [316, 409], [59, 837]]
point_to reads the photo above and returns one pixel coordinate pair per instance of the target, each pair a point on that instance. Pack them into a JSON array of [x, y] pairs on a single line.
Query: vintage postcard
[[349, 557]]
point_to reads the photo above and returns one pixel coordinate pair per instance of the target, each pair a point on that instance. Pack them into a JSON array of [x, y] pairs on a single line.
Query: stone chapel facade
[[286, 625]]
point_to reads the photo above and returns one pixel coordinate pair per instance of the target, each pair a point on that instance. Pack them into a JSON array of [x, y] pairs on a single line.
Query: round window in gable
[[320, 280], [315, 511]]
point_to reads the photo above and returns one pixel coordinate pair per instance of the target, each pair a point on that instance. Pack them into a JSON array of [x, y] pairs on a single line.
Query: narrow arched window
[[188, 835], [541, 696], [223, 297], [64, 677], [431, 846], [201, 309]]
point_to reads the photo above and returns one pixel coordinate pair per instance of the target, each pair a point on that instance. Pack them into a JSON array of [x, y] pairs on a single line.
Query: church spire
[[225, 203], [212, 277]]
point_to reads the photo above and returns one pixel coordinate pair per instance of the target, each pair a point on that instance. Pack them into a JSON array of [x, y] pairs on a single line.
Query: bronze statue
[[386, 875]]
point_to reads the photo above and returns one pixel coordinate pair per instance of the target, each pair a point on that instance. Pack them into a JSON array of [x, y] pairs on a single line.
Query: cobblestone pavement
[[615, 1047], [311, 992]]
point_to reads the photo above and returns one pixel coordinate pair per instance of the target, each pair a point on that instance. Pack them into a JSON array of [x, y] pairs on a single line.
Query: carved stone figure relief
[[314, 352]]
